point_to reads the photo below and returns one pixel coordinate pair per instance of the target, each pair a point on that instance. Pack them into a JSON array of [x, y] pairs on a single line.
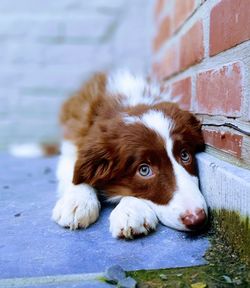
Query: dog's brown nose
[[194, 221]]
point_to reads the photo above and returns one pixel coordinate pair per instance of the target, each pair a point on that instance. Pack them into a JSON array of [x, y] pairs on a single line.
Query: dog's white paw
[[132, 217], [78, 208]]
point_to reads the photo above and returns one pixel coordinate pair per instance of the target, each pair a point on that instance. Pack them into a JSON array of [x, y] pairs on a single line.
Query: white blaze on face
[[187, 198]]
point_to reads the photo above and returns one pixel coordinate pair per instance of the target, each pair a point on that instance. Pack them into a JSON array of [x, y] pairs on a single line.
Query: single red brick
[[158, 8], [219, 91], [163, 33], [181, 91], [227, 142], [182, 10], [169, 64], [192, 48], [229, 24]]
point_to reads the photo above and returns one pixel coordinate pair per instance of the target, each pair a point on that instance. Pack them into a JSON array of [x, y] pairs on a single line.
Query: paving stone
[[115, 273], [31, 245], [128, 282]]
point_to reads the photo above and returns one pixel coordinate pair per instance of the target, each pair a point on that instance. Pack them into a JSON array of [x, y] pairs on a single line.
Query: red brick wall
[[201, 51]]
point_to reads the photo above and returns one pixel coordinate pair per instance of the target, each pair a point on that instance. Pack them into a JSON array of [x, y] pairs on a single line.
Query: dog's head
[[147, 152]]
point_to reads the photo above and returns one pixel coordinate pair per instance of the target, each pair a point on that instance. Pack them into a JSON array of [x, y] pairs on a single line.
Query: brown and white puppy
[[123, 140]]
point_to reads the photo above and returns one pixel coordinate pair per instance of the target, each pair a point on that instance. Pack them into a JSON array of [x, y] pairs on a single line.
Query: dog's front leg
[[132, 217], [78, 205]]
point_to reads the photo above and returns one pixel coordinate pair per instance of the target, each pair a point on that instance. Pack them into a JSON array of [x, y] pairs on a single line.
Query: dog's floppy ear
[[195, 131], [190, 127], [93, 166]]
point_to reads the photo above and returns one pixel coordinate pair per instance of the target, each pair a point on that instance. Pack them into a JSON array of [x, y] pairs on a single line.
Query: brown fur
[[110, 151], [50, 149]]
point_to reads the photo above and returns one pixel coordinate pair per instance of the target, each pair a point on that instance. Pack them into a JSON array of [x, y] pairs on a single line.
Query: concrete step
[[225, 186], [62, 281]]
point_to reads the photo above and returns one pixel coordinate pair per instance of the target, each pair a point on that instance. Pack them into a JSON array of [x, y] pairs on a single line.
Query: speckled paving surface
[[31, 245]]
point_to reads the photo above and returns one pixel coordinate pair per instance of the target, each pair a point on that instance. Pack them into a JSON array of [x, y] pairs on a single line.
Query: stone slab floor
[[35, 252]]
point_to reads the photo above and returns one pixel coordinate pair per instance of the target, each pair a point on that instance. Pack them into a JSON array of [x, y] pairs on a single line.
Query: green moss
[[234, 230], [228, 259]]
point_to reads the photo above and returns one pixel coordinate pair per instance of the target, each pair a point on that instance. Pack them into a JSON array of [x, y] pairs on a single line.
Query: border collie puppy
[[124, 141]]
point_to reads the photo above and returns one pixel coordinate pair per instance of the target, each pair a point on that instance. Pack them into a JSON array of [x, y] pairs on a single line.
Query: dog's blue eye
[[145, 170], [185, 156]]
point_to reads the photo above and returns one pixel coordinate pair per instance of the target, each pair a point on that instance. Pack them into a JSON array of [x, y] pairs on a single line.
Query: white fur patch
[[78, 205], [65, 167], [132, 216], [125, 83], [114, 199], [158, 122], [135, 89], [154, 120], [131, 119]]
